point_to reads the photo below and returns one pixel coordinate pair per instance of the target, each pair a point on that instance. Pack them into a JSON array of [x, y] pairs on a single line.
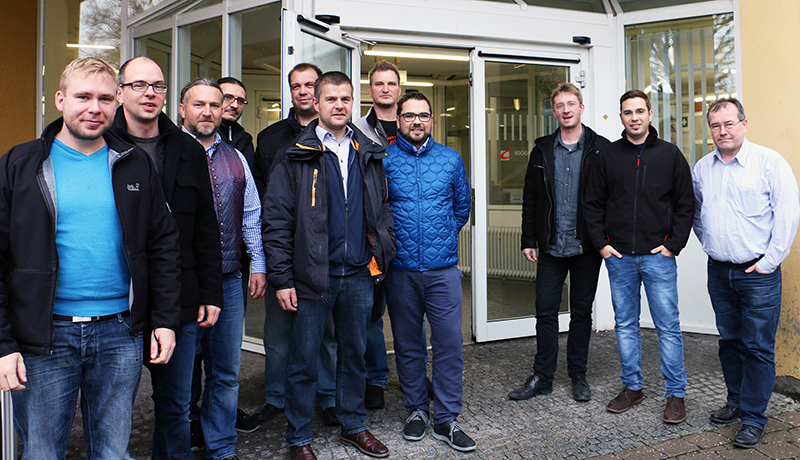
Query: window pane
[[158, 47], [256, 60], [75, 29], [638, 5], [683, 65], [201, 51], [326, 55], [595, 6]]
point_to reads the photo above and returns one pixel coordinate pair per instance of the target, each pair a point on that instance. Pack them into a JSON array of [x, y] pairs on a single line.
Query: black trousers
[[551, 272]]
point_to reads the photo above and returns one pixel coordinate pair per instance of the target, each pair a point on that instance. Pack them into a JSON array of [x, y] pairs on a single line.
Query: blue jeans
[[99, 360], [277, 330], [350, 301], [377, 363], [747, 307], [171, 395], [222, 349], [659, 274], [437, 295]]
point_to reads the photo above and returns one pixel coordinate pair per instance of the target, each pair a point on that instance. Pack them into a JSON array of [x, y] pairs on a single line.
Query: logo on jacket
[[133, 187]]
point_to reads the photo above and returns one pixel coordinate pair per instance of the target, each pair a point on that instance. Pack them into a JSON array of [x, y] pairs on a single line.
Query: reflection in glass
[[201, 51], [327, 56], [683, 65], [74, 29], [518, 110], [255, 56]]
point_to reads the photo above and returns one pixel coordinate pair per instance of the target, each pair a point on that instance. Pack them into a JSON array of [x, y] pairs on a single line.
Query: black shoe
[[580, 388], [534, 386], [725, 416], [197, 439], [246, 423], [416, 423], [748, 437], [429, 386], [373, 397], [451, 433], [329, 416], [268, 412]]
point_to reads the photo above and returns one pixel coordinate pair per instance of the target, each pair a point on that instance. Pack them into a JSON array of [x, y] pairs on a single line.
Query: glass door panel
[[511, 108]]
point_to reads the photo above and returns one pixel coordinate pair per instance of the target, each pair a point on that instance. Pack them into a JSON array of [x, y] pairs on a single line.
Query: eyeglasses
[[409, 117], [728, 126], [141, 87], [570, 104], [229, 98]]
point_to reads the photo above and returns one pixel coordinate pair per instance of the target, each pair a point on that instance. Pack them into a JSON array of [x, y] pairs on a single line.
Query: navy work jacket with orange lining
[[298, 219]]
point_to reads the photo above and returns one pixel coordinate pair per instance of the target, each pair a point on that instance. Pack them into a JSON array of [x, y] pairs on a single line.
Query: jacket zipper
[[51, 209], [550, 212], [111, 164], [635, 200]]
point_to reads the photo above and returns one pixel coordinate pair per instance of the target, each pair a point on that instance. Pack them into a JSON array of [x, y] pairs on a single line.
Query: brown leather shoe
[[366, 443], [302, 452], [624, 400], [674, 411]]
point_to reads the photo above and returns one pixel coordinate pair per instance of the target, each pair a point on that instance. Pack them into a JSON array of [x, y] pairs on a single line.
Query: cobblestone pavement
[[546, 427]]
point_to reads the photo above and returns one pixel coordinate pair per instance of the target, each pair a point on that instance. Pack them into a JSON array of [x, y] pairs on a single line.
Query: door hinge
[[581, 80]]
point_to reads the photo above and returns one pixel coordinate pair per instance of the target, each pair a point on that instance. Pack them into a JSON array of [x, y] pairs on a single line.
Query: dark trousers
[[437, 295], [551, 272], [747, 307]]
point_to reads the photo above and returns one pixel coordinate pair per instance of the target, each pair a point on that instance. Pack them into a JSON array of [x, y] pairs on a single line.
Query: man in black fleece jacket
[[639, 208]]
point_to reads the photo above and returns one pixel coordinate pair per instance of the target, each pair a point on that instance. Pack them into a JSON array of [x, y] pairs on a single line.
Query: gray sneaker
[[451, 433], [416, 423]]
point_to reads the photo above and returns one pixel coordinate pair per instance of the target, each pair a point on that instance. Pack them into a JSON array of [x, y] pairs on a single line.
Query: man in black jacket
[[639, 207], [328, 231], [187, 188], [552, 221], [89, 260], [277, 322], [280, 135]]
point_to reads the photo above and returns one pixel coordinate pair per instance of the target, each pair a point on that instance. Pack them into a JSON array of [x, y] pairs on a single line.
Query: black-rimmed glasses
[[141, 86], [409, 117], [229, 98]]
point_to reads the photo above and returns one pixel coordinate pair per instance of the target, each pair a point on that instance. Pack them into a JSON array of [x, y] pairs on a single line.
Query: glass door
[[510, 109], [307, 39]]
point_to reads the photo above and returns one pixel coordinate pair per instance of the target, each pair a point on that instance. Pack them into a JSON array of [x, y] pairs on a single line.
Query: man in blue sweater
[[430, 198], [89, 260]]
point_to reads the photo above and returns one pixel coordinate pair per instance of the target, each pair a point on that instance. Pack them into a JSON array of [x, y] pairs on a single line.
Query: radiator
[[503, 255]]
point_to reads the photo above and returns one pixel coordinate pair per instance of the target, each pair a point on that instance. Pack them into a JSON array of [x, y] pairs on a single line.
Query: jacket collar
[[308, 146], [409, 148], [115, 144], [652, 137]]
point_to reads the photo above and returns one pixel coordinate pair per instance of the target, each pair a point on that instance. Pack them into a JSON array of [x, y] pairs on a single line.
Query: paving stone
[[783, 436], [641, 453], [707, 439], [549, 427], [779, 450], [734, 453]]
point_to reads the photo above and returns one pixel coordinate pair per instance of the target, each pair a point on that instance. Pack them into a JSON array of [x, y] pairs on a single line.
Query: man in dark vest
[[238, 210]]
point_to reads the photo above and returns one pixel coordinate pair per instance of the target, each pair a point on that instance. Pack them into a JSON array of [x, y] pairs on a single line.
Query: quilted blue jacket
[[430, 198]]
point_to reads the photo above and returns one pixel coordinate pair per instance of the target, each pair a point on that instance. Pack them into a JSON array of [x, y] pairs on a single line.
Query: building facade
[[488, 67]]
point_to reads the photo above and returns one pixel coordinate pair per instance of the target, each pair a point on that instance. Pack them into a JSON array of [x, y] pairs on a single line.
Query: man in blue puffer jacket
[[430, 198]]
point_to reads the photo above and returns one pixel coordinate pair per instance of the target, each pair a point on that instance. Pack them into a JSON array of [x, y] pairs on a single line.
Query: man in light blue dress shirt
[[746, 214]]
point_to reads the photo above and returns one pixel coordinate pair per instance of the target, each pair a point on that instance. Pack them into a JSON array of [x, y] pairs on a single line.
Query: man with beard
[[238, 211], [430, 198]]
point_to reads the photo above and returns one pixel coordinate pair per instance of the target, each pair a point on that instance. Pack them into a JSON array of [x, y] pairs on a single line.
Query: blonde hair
[[82, 67]]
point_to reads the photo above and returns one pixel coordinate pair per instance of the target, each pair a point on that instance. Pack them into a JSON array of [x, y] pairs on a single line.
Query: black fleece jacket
[[637, 200]]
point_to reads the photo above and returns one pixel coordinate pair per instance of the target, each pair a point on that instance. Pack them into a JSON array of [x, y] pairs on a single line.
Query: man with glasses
[[638, 209], [554, 236], [746, 214], [430, 198], [185, 181]]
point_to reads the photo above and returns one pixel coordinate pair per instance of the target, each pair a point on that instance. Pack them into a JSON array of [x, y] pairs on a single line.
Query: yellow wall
[[18, 73], [770, 30]]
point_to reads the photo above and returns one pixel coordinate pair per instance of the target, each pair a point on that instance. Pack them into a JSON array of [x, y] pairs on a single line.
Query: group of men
[[139, 226], [117, 224], [632, 203]]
